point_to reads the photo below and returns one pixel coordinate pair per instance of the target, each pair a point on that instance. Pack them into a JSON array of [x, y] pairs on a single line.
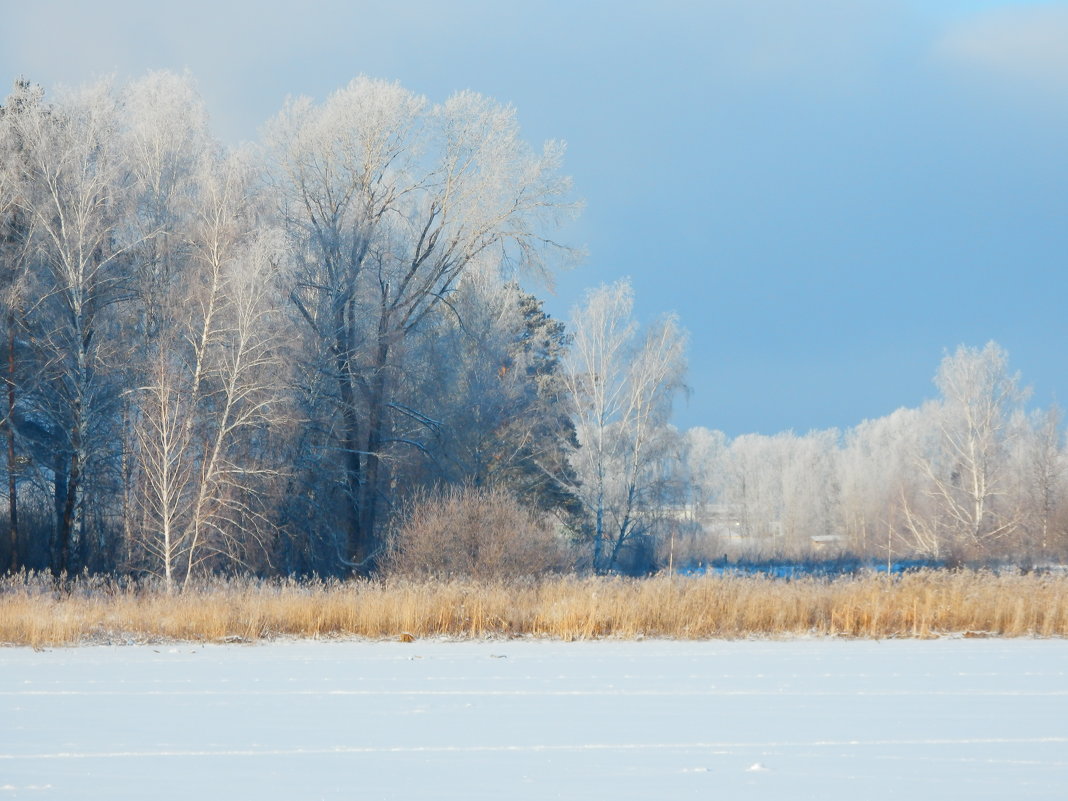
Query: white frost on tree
[[622, 386]]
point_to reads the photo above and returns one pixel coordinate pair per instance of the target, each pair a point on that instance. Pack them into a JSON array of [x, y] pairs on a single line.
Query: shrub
[[471, 532]]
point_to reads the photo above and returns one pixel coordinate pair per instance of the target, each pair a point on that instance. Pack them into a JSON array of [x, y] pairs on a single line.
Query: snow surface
[[821, 719]]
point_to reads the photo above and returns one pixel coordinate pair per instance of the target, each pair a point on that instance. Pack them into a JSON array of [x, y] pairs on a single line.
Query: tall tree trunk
[[70, 528], [353, 464], [375, 421], [12, 494], [68, 540], [598, 536], [60, 470]]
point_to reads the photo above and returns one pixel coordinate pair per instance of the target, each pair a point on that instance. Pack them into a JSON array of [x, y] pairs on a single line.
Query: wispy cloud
[[1023, 43]]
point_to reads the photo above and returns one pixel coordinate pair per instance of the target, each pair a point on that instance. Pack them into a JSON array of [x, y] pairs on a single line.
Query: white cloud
[[1023, 44]]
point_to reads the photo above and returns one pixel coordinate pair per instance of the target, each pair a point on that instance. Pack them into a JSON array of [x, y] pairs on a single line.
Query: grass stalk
[[38, 612]]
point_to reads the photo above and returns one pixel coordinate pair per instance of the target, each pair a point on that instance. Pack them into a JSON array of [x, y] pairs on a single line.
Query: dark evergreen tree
[[494, 388]]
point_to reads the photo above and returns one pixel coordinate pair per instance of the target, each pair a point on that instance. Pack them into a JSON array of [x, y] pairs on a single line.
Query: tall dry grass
[[36, 612]]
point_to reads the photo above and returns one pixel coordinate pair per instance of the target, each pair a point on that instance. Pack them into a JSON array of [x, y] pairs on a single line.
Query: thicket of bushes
[[467, 532]]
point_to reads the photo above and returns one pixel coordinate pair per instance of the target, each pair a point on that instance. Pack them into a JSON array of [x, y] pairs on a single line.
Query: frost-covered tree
[[144, 343], [491, 378], [701, 521], [1037, 480], [622, 385], [780, 489], [389, 200], [705, 451], [879, 481], [77, 201], [212, 399], [967, 475], [811, 491], [16, 242], [169, 151]]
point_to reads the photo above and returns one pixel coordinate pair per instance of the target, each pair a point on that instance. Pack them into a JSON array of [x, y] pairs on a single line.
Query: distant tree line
[[970, 477], [264, 359]]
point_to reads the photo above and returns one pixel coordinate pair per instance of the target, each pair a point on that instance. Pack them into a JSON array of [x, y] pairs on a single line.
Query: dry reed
[[36, 611]]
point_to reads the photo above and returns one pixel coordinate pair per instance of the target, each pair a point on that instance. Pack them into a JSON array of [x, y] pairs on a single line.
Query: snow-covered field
[[821, 719]]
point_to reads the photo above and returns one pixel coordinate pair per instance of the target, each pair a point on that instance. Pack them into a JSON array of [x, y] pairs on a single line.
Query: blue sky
[[830, 193]]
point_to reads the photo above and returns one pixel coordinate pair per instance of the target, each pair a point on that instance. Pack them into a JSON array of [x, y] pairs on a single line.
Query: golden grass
[[33, 611]]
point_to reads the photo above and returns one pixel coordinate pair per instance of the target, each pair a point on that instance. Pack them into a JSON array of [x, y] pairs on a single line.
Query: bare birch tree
[[215, 391], [1037, 472], [967, 476], [166, 139], [880, 485], [78, 203], [16, 240], [622, 388]]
